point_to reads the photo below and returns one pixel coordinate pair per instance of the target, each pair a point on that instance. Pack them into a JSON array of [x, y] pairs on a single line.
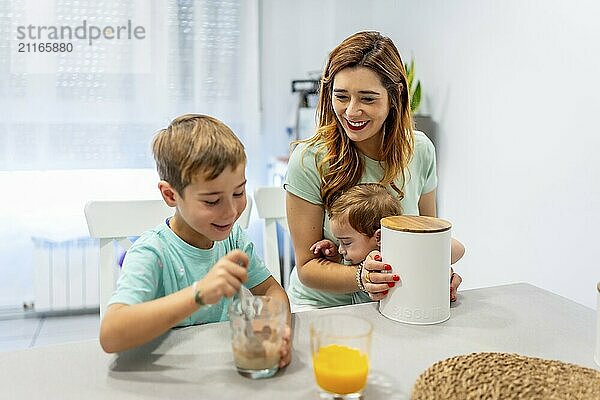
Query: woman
[[364, 134]]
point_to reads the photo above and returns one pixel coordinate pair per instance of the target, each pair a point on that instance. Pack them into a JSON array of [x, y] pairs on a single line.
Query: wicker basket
[[506, 376]]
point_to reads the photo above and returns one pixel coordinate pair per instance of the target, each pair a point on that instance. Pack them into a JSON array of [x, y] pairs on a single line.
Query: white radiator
[[65, 274]]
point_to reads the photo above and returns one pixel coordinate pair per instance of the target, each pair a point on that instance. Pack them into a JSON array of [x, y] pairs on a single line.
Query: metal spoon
[[247, 304]]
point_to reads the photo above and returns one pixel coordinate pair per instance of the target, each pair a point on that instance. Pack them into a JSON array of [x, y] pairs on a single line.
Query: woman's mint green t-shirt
[[160, 263], [302, 180]]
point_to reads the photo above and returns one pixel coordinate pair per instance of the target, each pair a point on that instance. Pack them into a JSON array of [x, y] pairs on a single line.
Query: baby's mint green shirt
[[160, 263], [302, 180]]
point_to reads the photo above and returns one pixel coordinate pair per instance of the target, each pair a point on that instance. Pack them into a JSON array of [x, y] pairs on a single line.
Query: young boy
[[186, 270], [355, 220]]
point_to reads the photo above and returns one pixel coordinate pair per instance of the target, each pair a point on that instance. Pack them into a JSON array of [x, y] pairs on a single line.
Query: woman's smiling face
[[361, 105]]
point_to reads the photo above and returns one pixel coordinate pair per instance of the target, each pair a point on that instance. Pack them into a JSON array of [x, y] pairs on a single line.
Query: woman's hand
[[377, 276], [455, 281]]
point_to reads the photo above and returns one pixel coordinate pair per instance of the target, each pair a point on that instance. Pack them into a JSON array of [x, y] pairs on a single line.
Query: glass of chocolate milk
[[257, 326]]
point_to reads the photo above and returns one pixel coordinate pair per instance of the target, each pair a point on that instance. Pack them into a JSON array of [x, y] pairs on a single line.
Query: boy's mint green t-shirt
[[160, 263], [303, 180]]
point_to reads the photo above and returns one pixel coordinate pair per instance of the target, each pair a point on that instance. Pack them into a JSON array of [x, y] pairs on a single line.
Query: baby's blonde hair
[[365, 205], [194, 144]]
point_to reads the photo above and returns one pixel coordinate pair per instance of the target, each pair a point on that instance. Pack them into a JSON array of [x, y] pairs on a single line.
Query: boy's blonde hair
[[365, 205], [193, 144]]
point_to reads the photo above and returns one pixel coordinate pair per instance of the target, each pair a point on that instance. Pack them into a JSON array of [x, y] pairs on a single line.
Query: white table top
[[196, 362]]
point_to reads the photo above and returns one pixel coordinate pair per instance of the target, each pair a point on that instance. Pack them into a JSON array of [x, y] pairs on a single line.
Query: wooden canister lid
[[415, 224]]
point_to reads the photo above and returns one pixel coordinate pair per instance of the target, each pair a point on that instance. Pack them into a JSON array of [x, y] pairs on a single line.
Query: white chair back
[[117, 221], [270, 204]]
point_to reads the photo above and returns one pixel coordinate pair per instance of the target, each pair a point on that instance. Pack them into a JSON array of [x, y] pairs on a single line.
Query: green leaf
[[410, 73], [415, 100]]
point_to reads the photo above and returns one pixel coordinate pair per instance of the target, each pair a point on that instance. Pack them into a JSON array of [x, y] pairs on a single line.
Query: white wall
[[290, 47], [514, 88]]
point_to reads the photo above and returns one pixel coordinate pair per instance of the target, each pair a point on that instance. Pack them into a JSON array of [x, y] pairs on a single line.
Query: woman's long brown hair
[[342, 166]]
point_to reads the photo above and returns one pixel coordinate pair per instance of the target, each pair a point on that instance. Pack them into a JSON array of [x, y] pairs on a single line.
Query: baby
[[355, 220]]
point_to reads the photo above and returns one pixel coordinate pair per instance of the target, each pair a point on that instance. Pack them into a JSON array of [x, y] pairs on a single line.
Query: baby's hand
[[286, 348], [324, 247], [224, 278]]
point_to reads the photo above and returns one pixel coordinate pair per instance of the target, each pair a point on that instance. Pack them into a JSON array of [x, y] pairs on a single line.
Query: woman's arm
[[305, 221], [457, 250], [427, 207], [427, 204]]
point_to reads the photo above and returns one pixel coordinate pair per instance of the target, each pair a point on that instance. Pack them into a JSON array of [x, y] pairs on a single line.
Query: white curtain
[[77, 125]]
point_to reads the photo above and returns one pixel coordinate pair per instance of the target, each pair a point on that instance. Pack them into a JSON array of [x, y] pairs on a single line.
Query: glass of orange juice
[[340, 346]]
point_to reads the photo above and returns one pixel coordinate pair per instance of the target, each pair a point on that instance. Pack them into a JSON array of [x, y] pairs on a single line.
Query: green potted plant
[[423, 123], [414, 89]]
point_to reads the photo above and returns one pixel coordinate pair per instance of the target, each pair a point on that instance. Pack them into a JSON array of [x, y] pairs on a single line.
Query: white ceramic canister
[[597, 354], [418, 249]]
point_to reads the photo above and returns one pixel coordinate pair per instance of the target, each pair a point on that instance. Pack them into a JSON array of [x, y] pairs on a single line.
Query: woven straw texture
[[506, 376]]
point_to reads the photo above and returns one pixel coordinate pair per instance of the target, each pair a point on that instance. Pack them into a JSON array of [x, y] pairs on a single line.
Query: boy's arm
[[126, 326], [271, 288]]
